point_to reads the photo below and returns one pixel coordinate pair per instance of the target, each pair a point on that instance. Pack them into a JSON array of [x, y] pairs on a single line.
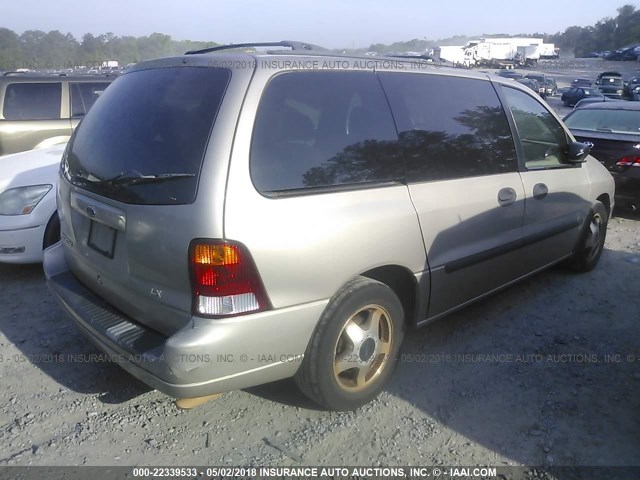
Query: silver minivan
[[232, 219]]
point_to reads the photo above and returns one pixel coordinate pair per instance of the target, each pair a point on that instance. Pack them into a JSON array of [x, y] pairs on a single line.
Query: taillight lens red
[[629, 161], [225, 280]]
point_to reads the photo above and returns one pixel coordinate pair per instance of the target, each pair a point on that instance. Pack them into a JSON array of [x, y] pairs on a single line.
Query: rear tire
[[591, 242], [354, 347]]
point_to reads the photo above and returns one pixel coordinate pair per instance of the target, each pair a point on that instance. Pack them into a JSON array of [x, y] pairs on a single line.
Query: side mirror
[[577, 151]]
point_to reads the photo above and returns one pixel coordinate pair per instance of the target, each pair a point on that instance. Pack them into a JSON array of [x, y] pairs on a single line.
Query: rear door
[[556, 192], [463, 180], [31, 113]]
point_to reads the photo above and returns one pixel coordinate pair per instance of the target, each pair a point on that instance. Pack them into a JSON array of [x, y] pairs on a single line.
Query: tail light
[[224, 279], [629, 161]]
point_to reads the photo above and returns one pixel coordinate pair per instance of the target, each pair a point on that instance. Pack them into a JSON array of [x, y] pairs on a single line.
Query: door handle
[[507, 196], [540, 191]]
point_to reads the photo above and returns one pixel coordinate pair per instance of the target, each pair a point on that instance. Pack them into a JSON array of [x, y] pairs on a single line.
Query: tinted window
[[32, 101], [542, 137], [84, 95], [148, 123], [449, 127], [319, 129]]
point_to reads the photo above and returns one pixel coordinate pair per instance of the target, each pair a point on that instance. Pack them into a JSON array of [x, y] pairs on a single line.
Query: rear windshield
[[144, 139], [597, 120]]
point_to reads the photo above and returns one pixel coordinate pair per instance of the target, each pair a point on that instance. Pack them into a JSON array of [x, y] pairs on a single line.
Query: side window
[[84, 95], [319, 129], [449, 127], [32, 101], [543, 139]]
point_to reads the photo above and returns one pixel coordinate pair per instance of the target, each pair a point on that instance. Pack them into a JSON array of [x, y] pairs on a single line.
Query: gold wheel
[[362, 350]]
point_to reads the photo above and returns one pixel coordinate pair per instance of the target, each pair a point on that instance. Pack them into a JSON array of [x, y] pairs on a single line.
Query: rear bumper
[[207, 356]]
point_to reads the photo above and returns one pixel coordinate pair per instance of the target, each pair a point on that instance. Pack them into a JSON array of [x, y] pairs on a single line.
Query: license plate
[[102, 238]]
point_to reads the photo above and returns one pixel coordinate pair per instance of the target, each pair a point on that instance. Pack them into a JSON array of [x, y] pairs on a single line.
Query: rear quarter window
[[323, 129]]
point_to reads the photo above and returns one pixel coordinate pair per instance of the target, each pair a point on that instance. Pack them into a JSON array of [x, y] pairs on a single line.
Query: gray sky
[[330, 23]]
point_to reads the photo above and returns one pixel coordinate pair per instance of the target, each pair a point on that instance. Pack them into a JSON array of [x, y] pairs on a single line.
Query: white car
[[28, 217]]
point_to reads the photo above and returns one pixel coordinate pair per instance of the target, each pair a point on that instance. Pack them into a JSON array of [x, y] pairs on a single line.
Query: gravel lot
[[544, 373]]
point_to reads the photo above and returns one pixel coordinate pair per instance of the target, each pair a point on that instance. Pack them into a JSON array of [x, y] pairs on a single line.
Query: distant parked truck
[[503, 52], [450, 53], [549, 50], [109, 64]]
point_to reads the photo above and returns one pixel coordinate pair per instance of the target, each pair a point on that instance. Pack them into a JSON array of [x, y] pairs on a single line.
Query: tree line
[[610, 33], [36, 49]]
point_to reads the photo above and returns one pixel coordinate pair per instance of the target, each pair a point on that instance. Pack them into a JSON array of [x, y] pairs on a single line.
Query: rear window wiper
[[136, 178]]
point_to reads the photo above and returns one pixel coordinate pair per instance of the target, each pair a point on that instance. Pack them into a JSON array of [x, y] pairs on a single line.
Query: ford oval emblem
[[91, 211]]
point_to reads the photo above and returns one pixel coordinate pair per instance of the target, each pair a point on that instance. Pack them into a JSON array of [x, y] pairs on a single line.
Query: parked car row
[[627, 53], [608, 85], [540, 83]]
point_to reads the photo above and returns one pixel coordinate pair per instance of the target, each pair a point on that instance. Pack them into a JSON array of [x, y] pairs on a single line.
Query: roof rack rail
[[285, 43]]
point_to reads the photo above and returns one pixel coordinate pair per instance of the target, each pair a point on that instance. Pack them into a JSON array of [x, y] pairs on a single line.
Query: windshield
[[149, 130], [598, 120], [615, 81]]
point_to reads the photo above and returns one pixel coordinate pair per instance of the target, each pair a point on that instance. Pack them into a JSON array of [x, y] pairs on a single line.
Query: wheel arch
[[52, 231], [606, 201], [404, 285]]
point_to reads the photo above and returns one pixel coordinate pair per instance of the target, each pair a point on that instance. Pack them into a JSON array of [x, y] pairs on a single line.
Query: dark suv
[[541, 78], [39, 110], [610, 84]]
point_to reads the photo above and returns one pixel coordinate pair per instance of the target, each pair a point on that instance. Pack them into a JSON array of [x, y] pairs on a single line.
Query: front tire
[[591, 243], [354, 347]]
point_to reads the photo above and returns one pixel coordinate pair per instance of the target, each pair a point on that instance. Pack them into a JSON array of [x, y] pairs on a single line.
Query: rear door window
[[323, 129], [32, 101], [84, 95], [449, 127], [144, 140]]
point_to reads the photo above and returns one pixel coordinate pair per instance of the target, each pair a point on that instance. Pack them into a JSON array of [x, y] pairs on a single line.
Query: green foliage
[[35, 49], [607, 34]]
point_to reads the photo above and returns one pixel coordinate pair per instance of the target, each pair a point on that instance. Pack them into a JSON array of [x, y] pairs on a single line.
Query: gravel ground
[[544, 373]]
